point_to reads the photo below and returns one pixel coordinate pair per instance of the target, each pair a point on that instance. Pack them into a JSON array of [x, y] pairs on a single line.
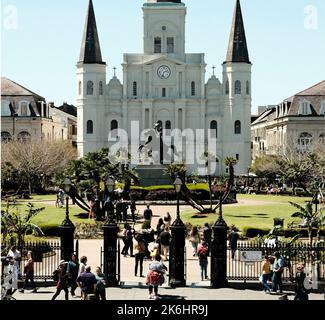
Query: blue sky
[[287, 49]]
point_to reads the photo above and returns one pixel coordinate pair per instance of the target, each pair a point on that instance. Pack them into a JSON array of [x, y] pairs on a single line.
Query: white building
[[166, 84]]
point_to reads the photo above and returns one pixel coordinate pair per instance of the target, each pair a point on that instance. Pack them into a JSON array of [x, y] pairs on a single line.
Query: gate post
[[219, 253], [110, 252], [66, 230]]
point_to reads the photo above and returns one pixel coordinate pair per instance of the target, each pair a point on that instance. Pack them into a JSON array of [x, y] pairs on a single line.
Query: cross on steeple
[[114, 71], [213, 68]]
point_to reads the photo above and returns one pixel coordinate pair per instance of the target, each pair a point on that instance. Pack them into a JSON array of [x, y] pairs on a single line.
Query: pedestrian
[[278, 268], [139, 250], [301, 293], [159, 229], [195, 239], [233, 242], [147, 215], [101, 285], [83, 264], [266, 273], [202, 253], [91, 214], [133, 208], [154, 251], [9, 278], [125, 229], [207, 236], [165, 237], [16, 255], [87, 283], [167, 220], [63, 278], [119, 210], [29, 272], [73, 272], [128, 245], [155, 276]]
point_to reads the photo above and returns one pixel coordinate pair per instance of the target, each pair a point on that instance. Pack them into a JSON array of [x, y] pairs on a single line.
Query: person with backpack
[[203, 253], [62, 280]]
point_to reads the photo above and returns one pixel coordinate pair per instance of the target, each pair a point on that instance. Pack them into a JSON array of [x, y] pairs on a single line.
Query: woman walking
[[73, 272], [83, 265], [29, 272], [62, 281], [195, 239], [155, 276], [167, 220], [266, 274], [203, 253], [139, 250]]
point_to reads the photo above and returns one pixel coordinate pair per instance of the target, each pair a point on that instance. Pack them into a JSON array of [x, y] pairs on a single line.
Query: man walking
[[87, 283], [278, 267]]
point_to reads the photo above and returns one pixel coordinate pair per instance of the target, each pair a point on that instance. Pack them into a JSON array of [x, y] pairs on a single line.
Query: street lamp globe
[[178, 185], [110, 182], [67, 185]]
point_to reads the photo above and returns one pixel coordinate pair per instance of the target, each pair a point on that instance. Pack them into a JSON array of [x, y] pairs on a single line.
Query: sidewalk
[[129, 293]]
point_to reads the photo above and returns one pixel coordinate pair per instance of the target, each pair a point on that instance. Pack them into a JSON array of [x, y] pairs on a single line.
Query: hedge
[[252, 232], [50, 230]]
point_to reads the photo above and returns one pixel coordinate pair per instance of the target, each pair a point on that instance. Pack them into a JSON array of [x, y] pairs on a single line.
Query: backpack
[[55, 275]]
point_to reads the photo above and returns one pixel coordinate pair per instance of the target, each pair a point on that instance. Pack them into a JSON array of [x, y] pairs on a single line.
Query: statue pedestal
[[153, 175]]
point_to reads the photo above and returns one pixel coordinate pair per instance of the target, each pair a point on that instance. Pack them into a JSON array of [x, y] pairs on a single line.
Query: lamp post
[[67, 228], [219, 249], [110, 229], [177, 246]]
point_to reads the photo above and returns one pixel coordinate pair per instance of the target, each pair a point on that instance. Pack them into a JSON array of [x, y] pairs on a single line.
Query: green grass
[[260, 216]]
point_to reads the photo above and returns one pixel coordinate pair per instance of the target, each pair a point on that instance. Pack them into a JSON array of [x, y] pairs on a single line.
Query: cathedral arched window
[[90, 127], [214, 129], [114, 125], [157, 45], [305, 141], [135, 89], [80, 88], [237, 87], [5, 137], [193, 93], [227, 87], [90, 88], [168, 125], [24, 136], [248, 90], [101, 88], [237, 127]]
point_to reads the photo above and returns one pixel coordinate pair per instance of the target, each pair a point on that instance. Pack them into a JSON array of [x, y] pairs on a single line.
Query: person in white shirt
[[16, 255]]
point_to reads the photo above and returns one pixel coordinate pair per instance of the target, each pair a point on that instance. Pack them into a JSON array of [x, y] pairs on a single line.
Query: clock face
[[164, 72]]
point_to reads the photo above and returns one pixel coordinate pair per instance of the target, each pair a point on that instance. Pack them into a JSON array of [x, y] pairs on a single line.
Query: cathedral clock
[[164, 72]]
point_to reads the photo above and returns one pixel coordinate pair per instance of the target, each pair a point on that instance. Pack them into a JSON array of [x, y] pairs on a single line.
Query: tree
[[32, 164], [14, 222], [312, 219]]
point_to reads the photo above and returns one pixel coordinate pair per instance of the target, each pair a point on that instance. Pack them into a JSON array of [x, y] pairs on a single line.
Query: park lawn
[[274, 198]]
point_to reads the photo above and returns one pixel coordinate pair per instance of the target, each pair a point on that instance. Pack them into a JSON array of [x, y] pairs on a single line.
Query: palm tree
[[312, 219], [16, 223]]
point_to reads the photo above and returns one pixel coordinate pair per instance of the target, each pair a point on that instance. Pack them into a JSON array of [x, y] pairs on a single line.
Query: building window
[[24, 136], [80, 88], [193, 93], [237, 87], [90, 88], [237, 127], [163, 94], [305, 141], [114, 125], [157, 45], [248, 90], [170, 45], [322, 109], [214, 129], [5, 137], [322, 138], [23, 109], [101, 88], [227, 87], [135, 89], [305, 108], [90, 127], [168, 125]]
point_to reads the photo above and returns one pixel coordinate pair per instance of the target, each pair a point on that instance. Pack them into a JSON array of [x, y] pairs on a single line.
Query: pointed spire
[[237, 48], [90, 47]]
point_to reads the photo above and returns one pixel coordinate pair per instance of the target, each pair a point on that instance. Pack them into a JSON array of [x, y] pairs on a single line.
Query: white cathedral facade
[[167, 85]]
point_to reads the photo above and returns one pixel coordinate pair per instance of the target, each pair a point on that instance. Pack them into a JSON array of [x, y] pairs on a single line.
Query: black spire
[[237, 48], [90, 47]]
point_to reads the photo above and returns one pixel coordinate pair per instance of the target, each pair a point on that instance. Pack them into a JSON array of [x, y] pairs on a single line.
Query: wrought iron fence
[[46, 255], [247, 264]]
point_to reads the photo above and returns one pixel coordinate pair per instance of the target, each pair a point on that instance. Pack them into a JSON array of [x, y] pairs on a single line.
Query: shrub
[[252, 232], [290, 233], [88, 231], [50, 230]]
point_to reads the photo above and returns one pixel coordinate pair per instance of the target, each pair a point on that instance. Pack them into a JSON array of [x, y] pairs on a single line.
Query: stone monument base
[[153, 175]]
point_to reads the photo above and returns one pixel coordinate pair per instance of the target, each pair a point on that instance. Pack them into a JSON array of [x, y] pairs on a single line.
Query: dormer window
[[157, 45], [305, 108], [322, 109]]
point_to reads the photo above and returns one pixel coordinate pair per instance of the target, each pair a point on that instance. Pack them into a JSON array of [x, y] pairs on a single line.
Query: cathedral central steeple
[[90, 47], [237, 48]]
